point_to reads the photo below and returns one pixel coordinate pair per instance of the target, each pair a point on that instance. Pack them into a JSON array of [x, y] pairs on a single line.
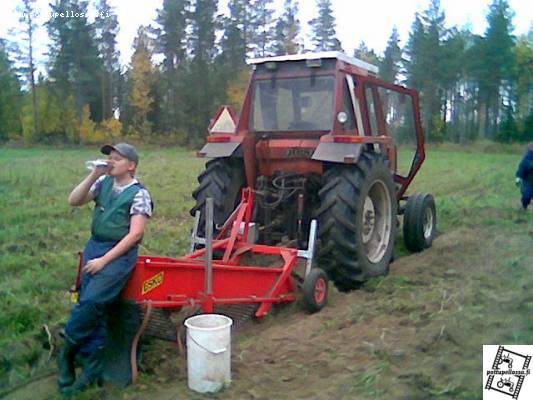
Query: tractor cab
[[306, 92], [306, 109]]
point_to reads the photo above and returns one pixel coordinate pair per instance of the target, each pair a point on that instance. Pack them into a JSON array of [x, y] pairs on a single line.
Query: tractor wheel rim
[[376, 240], [428, 224], [320, 290]]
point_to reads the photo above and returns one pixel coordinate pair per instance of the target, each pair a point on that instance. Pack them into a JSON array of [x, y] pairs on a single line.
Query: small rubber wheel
[[315, 290], [420, 222]]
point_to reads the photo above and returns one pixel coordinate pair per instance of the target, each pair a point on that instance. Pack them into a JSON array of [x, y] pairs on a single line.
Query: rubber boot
[[65, 364], [91, 374]]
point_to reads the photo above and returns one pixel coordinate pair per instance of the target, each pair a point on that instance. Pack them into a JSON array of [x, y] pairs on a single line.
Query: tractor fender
[[216, 150], [338, 152]]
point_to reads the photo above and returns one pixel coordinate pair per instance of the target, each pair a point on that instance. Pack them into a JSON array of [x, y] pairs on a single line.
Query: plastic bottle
[[92, 164]]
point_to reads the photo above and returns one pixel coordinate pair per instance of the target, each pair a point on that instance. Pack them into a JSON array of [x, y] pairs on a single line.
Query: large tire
[[357, 221], [419, 222], [222, 180]]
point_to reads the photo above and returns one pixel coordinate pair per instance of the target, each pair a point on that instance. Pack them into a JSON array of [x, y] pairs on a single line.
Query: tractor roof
[[315, 56]]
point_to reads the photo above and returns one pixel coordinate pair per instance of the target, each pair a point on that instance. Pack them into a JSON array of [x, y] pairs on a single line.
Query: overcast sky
[[369, 20]]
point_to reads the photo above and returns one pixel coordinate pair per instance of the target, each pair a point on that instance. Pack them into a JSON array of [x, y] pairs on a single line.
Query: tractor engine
[[284, 207]]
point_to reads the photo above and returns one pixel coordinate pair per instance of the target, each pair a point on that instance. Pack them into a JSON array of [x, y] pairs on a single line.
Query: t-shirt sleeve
[[142, 204], [97, 187]]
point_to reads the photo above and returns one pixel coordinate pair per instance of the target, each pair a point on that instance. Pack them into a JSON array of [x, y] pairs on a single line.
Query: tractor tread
[[221, 180]]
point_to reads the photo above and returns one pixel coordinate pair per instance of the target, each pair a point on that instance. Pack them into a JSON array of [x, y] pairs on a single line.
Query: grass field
[[427, 318]]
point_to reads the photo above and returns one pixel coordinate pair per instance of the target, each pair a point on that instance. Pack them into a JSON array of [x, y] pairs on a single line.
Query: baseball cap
[[125, 150]]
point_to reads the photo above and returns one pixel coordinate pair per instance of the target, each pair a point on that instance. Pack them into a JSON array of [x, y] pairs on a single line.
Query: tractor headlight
[[342, 117]]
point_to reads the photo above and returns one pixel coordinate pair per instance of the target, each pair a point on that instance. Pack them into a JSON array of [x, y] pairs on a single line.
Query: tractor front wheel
[[222, 180], [357, 221], [419, 222]]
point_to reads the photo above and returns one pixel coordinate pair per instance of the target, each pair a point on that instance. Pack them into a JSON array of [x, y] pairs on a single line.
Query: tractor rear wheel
[[357, 221], [222, 180]]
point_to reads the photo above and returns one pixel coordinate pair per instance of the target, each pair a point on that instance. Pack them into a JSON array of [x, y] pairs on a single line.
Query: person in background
[[122, 207], [524, 177]]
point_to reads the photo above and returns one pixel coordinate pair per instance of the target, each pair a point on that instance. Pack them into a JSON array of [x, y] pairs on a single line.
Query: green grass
[[40, 234]]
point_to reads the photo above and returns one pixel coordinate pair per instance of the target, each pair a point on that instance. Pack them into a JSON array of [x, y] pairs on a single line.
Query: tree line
[[471, 86]]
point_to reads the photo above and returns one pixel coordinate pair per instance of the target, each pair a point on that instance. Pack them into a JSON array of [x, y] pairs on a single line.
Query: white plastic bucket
[[208, 352]]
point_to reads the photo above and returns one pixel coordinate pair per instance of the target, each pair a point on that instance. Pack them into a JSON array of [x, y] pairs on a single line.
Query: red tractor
[[317, 139]]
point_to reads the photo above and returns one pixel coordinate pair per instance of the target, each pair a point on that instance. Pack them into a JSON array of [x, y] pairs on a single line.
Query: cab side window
[[372, 115], [348, 108]]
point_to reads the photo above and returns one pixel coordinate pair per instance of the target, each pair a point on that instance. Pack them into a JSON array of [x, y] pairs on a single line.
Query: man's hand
[[518, 182], [99, 171], [81, 195], [94, 266]]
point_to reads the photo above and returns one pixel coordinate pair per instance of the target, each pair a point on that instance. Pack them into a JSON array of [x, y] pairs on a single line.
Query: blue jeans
[[527, 194], [87, 326]]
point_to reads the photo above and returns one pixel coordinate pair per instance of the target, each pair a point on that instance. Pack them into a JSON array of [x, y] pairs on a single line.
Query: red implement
[[177, 282]]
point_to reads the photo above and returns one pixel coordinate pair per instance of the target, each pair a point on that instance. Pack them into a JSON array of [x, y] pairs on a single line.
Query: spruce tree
[[524, 76], [453, 81], [28, 13], [362, 52], [433, 56], [324, 35], [413, 62], [263, 17], [498, 60], [200, 96], [107, 29], [287, 30], [238, 34], [74, 64], [390, 65], [10, 96], [424, 66], [170, 41]]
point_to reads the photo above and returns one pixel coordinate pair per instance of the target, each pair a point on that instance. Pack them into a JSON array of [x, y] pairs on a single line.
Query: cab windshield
[[295, 104]]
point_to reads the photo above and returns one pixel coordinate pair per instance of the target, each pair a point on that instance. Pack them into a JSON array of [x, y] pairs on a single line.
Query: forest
[[192, 58]]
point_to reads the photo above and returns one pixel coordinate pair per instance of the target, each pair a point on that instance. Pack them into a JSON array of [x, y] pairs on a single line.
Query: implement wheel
[[419, 222], [222, 180], [357, 221], [315, 290]]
